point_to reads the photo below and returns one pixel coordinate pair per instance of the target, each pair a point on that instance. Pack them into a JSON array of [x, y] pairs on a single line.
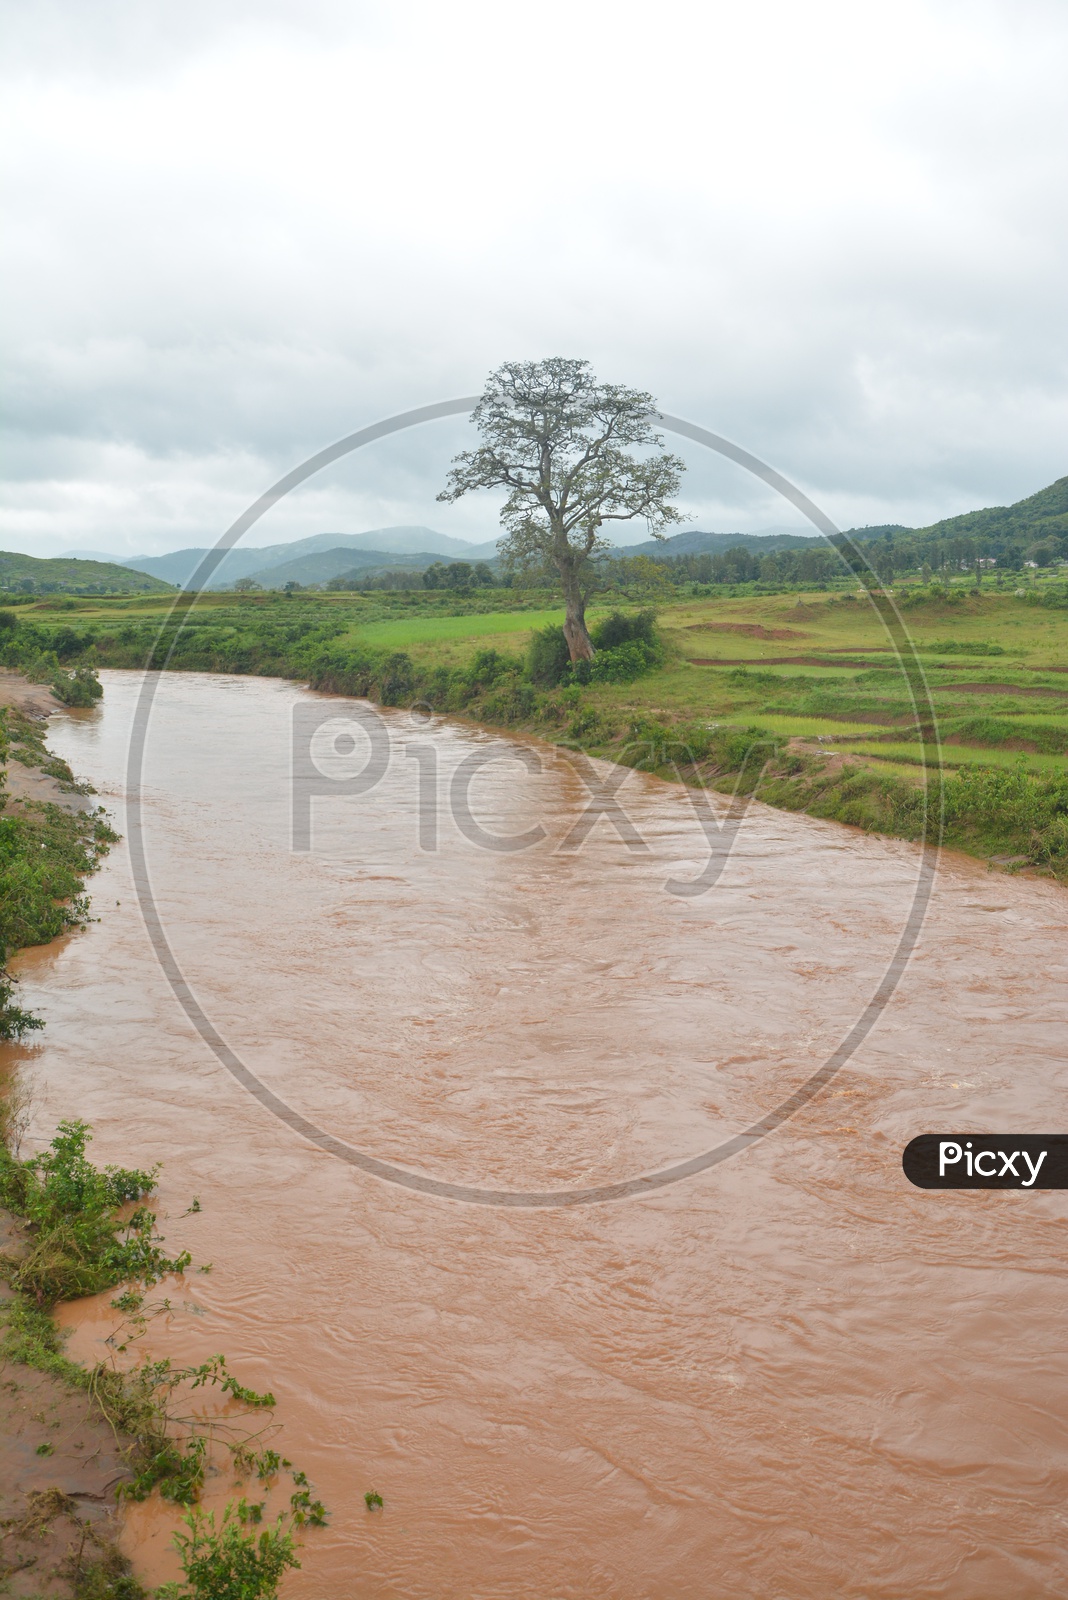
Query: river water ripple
[[790, 1377]]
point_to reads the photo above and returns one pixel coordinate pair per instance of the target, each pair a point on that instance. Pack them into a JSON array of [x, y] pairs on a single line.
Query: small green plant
[[80, 1242], [221, 1561], [266, 1464], [304, 1509], [216, 1371], [372, 1498]]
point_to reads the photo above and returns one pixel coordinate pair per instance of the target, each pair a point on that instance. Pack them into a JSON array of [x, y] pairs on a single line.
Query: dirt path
[[25, 779], [35, 699], [58, 1470]]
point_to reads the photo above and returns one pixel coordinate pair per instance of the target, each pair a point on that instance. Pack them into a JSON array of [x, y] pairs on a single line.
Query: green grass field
[[503, 626]]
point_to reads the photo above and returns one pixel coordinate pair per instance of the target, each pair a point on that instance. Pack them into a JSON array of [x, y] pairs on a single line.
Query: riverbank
[[799, 697], [52, 837], [60, 1459], [31, 772], [76, 1438]]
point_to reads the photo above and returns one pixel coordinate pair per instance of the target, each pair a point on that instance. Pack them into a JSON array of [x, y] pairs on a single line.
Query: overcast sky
[[834, 232]]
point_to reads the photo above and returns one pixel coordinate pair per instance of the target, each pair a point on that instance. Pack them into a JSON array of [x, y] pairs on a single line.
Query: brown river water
[[791, 1376]]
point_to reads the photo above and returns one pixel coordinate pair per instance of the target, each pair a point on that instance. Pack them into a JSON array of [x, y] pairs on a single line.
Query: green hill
[[1037, 517], [1034, 531], [21, 574]]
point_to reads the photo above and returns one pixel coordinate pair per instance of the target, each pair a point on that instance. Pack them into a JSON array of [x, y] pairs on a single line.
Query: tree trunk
[[579, 642]]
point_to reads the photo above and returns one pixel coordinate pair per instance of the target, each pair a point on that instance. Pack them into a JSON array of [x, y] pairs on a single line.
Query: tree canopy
[[560, 442]]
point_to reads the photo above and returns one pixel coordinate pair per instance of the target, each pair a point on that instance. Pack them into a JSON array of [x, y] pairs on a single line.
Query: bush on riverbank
[[78, 688], [80, 1240], [46, 853]]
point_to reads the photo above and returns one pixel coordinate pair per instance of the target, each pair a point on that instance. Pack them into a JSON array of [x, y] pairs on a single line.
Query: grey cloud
[[200, 303]]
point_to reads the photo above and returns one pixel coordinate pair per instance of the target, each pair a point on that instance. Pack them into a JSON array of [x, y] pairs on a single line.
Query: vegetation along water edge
[[77, 1440], [687, 681]]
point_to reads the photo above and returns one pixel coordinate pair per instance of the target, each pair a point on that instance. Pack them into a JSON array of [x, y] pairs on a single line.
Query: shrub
[[513, 702], [1050, 847], [79, 1242], [548, 657], [14, 1021], [488, 667], [67, 642], [81, 687], [40, 667], [398, 679], [619, 664], [223, 1562], [623, 627]]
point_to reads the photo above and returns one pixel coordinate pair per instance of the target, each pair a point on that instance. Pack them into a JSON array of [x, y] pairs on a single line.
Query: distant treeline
[[913, 550], [737, 565], [888, 552], [440, 575], [1031, 533], [891, 554]]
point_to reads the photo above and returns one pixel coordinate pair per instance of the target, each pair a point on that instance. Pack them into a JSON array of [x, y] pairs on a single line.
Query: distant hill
[[252, 561], [323, 565], [694, 543], [1036, 517], [67, 575], [1035, 529]]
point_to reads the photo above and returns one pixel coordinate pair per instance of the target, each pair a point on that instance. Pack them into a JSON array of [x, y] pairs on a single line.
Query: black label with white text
[[987, 1161]]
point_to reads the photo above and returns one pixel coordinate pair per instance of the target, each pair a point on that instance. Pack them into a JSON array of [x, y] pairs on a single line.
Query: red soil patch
[[1000, 688]]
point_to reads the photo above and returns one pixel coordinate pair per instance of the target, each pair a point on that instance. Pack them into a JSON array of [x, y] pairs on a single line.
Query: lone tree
[[556, 439]]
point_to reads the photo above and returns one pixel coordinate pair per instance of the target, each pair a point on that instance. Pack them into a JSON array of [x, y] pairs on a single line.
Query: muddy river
[[790, 1375]]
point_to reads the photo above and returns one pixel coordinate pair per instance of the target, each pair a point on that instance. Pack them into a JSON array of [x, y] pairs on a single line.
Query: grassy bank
[[810, 682], [47, 850]]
